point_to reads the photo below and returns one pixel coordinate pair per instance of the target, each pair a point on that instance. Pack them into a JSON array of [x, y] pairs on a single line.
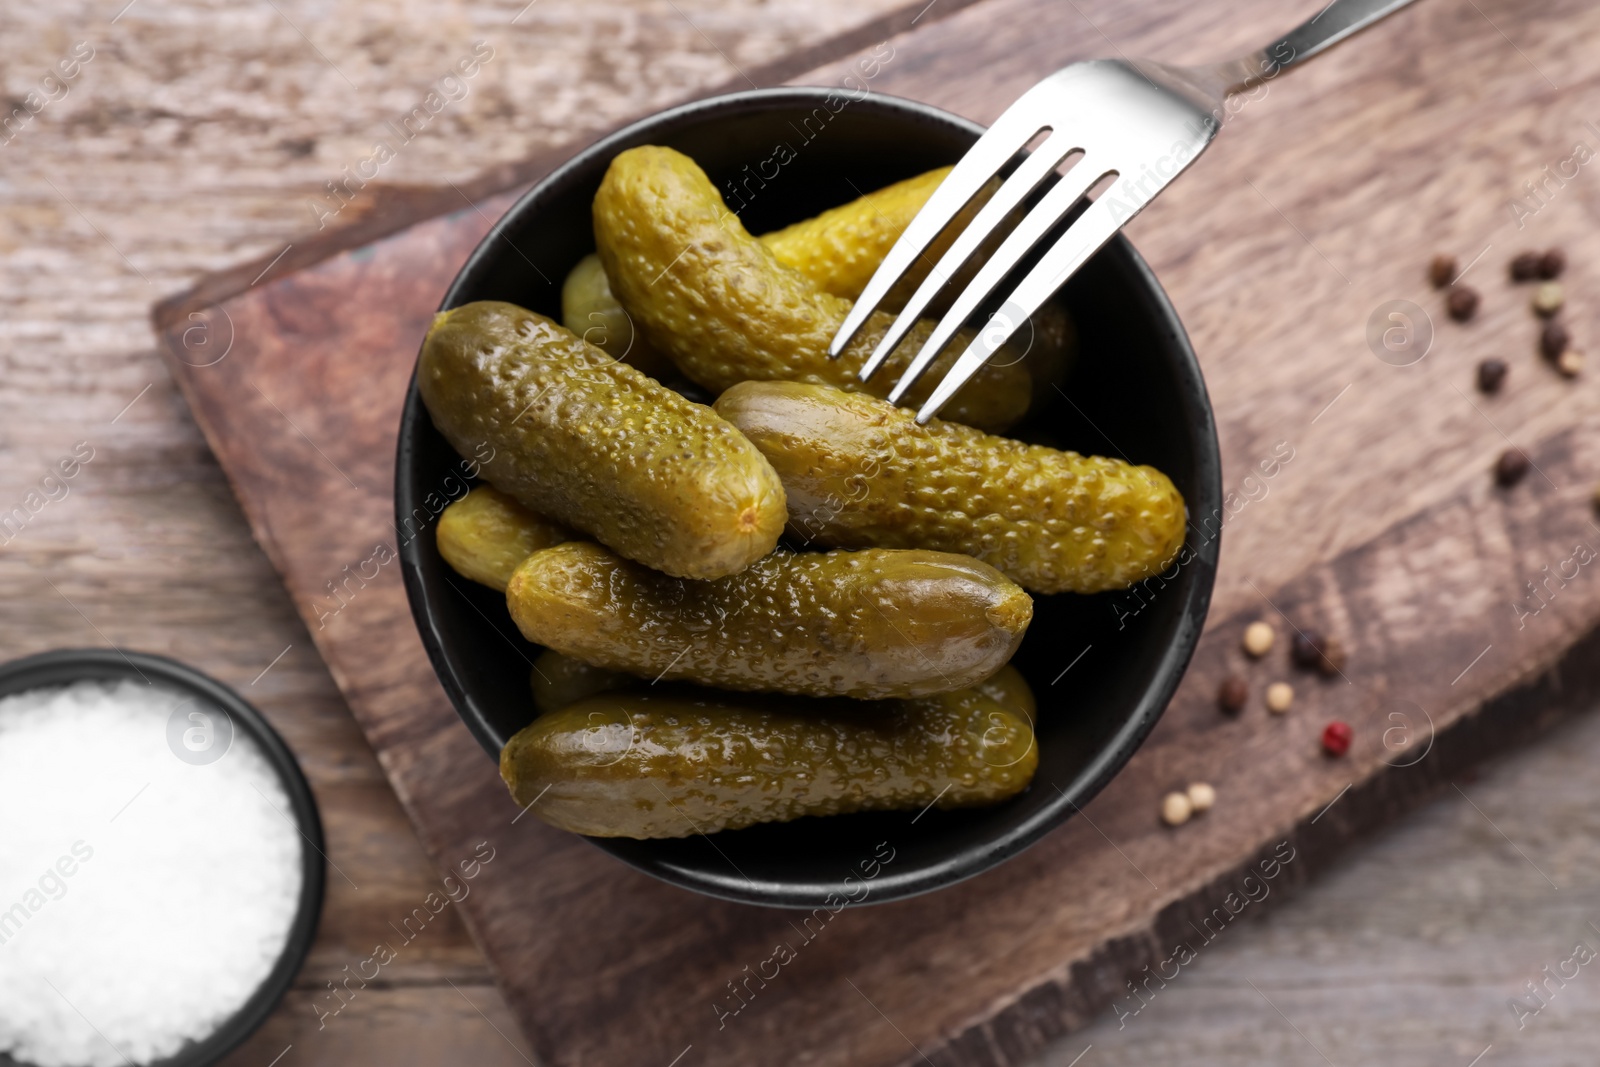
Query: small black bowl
[[67, 665], [1103, 667]]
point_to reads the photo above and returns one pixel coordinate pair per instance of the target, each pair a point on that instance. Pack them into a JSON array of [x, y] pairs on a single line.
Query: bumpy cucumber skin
[[840, 249], [874, 624], [589, 310], [648, 765], [1052, 347], [558, 680], [486, 535], [596, 445], [859, 471], [726, 310], [1008, 688]]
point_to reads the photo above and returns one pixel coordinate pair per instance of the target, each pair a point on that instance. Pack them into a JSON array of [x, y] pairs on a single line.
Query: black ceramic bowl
[[68, 665], [1103, 667]]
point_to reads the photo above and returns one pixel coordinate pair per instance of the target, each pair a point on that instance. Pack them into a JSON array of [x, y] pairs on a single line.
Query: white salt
[[143, 897]]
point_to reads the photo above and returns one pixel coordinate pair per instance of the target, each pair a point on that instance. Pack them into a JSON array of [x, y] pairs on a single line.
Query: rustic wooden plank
[[462, 1020], [1408, 951], [1391, 538]]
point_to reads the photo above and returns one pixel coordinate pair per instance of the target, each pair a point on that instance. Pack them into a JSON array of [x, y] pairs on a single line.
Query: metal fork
[[1140, 121]]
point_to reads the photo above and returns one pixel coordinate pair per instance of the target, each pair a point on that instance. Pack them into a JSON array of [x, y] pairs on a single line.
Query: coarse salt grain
[[143, 898]]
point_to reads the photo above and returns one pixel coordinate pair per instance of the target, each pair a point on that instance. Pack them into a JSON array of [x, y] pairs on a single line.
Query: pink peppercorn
[[1336, 738]]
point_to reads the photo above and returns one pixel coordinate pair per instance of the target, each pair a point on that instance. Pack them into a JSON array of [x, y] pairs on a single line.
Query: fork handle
[[1328, 27]]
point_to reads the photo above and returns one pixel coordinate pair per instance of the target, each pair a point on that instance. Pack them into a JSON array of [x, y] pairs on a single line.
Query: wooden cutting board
[[1467, 609]]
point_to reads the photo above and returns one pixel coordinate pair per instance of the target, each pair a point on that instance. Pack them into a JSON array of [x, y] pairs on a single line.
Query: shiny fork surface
[[1139, 121]]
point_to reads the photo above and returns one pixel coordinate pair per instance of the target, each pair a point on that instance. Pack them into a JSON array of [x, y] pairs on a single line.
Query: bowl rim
[[64, 666], [1118, 748]]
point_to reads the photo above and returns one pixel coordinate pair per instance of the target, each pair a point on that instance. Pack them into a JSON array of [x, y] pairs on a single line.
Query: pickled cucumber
[[589, 310], [486, 534], [837, 250], [1008, 688], [878, 623], [596, 445], [559, 680], [840, 249], [1052, 346], [648, 765], [859, 471], [726, 310]]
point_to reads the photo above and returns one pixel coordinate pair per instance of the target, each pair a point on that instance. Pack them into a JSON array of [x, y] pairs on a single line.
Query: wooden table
[[198, 136], [192, 143]]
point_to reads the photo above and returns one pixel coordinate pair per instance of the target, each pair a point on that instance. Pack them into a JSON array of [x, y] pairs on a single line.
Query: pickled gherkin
[[558, 680], [1051, 341], [590, 311], [1008, 688], [596, 445], [843, 247], [872, 624], [726, 310], [859, 471], [838, 251], [485, 536], [653, 764]]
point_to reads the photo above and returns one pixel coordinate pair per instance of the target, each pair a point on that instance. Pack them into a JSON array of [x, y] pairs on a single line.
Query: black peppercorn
[[1306, 649], [1492, 375], [1442, 271], [1312, 651], [1525, 267], [1510, 468], [1462, 302], [1553, 339], [1233, 695]]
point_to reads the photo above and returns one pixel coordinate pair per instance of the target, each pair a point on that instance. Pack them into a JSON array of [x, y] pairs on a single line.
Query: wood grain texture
[[1408, 951], [1323, 200], [197, 137]]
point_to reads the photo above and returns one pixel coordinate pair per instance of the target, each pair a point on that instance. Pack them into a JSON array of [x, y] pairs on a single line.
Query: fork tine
[[1016, 188], [1034, 226], [1083, 239], [982, 161]]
